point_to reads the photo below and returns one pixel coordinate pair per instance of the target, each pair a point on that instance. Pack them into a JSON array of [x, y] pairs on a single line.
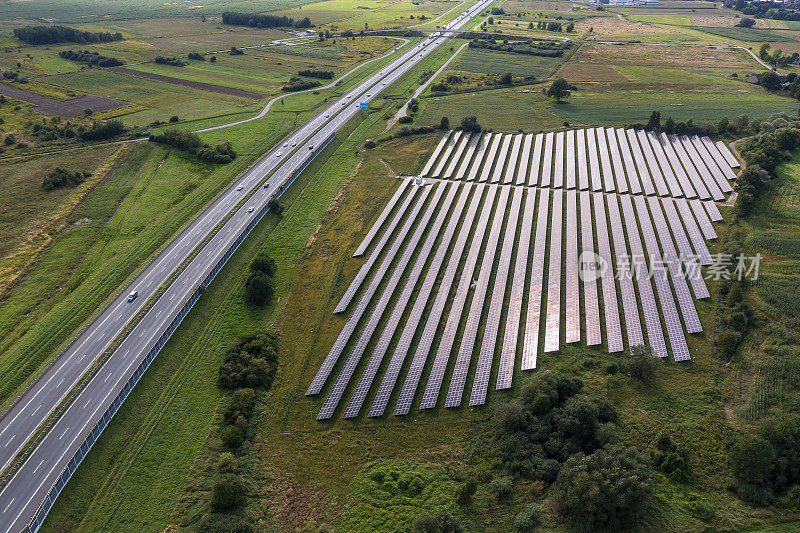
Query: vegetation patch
[[191, 143], [62, 34]]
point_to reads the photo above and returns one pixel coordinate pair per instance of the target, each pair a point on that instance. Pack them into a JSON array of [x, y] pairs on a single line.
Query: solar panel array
[[454, 273]]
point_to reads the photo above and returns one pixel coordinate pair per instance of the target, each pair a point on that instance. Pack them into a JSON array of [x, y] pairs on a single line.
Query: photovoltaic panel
[[367, 266], [431, 393], [512, 159], [491, 158], [727, 154], [382, 218], [501, 158], [702, 219], [508, 348], [480, 382], [459, 377], [590, 303], [616, 160], [677, 167], [572, 319], [435, 155], [722, 163], [700, 165], [558, 160], [429, 331], [570, 153], [641, 163], [605, 161], [669, 174], [655, 336], [627, 158], [713, 211], [547, 160], [536, 160], [711, 164], [530, 348], [524, 162], [583, 168], [677, 341], [698, 242], [451, 168], [363, 302], [480, 155], [676, 270], [329, 406], [610, 306], [687, 256], [633, 326], [380, 349], [594, 162], [553, 318], [688, 166], [446, 154], [469, 156], [650, 157]]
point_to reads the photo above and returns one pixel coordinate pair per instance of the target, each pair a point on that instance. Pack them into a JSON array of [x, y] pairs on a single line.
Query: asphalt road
[[27, 489]]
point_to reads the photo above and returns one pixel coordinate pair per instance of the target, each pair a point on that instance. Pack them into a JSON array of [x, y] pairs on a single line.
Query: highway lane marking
[[37, 466], [108, 376], [62, 435], [9, 440], [9, 504], [34, 411], [87, 403], [60, 382], [126, 353]]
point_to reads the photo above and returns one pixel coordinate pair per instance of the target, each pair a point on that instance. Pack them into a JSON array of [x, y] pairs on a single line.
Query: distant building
[[310, 32]]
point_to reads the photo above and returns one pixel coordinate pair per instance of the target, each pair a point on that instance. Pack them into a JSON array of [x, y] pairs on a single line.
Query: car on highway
[[250, 209], [278, 154], [327, 115], [239, 188], [285, 145], [133, 295], [266, 184], [294, 144]]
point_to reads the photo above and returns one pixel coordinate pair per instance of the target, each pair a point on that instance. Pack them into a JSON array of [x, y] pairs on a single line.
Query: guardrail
[[91, 438]]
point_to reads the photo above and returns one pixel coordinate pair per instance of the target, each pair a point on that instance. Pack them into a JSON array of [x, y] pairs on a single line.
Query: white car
[[349, 95], [294, 144], [250, 209], [278, 154], [239, 188], [327, 116], [285, 145], [383, 83], [133, 295], [368, 95], [266, 185]]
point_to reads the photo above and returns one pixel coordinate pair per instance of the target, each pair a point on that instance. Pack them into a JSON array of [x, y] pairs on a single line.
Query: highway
[[216, 228]]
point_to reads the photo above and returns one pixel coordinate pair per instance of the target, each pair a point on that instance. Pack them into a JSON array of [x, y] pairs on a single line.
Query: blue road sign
[[472, 18], [364, 105]]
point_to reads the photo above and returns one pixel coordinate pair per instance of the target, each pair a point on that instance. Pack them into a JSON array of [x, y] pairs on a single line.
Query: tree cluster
[[299, 84], [259, 286], [470, 123], [101, 131], [321, 74], [62, 34], [191, 143], [531, 48], [59, 177], [251, 362], [196, 56], [734, 316], [257, 20], [171, 61], [555, 26], [765, 9], [90, 58]]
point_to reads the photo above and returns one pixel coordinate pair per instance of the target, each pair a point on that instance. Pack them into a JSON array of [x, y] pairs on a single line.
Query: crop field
[[342, 15], [751, 35], [473, 60]]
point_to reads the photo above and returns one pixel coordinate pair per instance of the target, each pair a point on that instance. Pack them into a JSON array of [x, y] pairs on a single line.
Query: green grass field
[[751, 35], [498, 63]]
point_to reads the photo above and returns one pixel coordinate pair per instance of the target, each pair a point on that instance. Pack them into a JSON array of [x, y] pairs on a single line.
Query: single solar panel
[[553, 318], [536, 160], [530, 348], [627, 158], [606, 269], [382, 218], [431, 393], [570, 153], [572, 319], [655, 335], [616, 160], [512, 159], [426, 339], [508, 348], [641, 163], [698, 242], [361, 275], [435, 155], [583, 169], [605, 160], [594, 162], [590, 303], [363, 303], [633, 325], [480, 382], [650, 157], [547, 160], [524, 162], [687, 256]]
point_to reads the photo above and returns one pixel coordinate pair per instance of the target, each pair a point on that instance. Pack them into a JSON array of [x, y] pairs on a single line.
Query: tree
[[608, 489], [654, 124], [769, 80], [227, 493], [527, 519], [752, 459], [560, 89], [641, 363], [746, 22], [265, 264], [502, 487], [470, 123], [232, 437], [259, 288], [466, 491], [438, 522], [276, 207], [671, 460], [444, 124], [506, 79], [227, 463]]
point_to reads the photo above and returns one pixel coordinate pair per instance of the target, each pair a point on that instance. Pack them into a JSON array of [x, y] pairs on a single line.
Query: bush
[[63, 178], [196, 56], [259, 288], [265, 264], [102, 131], [321, 74], [241, 405], [227, 463], [276, 206], [641, 363], [444, 124], [502, 488], [251, 362], [171, 61], [227, 493], [191, 143], [369, 144], [527, 519], [174, 118], [405, 120], [609, 489], [232, 437], [439, 522], [752, 459], [466, 491], [671, 460], [224, 523], [470, 123]]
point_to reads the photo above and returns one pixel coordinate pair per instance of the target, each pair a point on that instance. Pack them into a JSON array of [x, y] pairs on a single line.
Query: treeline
[[525, 48], [196, 56], [776, 57], [766, 9], [90, 58], [299, 84], [255, 20], [552, 26], [191, 143], [171, 61], [62, 34], [321, 74], [59, 177], [101, 131]]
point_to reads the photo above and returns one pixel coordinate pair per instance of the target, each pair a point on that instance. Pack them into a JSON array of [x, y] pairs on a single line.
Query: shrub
[[527, 519], [265, 264], [259, 288], [232, 437], [224, 523], [196, 56], [466, 491], [439, 522], [641, 363], [227, 463], [405, 120], [174, 118], [609, 489], [502, 488], [63, 178], [227, 493], [369, 144], [470, 123], [90, 58], [251, 362], [671, 460], [444, 124]]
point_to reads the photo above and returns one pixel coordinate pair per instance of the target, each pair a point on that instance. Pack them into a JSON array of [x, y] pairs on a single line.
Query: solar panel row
[[382, 218], [572, 319], [633, 327], [512, 159], [570, 154], [583, 170], [530, 347], [605, 266], [500, 161], [727, 154], [699, 243], [553, 317], [522, 170], [435, 155], [446, 154], [451, 168], [687, 256], [587, 264], [627, 159], [474, 141], [641, 162], [536, 160]]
